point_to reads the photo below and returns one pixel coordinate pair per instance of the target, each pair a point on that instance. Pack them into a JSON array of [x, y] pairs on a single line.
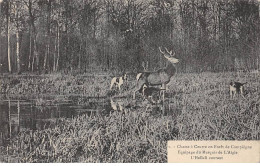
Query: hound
[[151, 93], [118, 81], [236, 88]]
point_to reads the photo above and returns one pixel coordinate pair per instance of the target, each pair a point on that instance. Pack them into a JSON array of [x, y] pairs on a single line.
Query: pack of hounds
[[147, 82]]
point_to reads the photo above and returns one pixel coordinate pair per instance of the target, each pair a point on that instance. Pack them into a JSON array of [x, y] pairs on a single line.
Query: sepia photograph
[[113, 81]]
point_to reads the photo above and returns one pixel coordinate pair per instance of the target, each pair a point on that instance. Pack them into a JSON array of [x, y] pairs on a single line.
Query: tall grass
[[129, 136]]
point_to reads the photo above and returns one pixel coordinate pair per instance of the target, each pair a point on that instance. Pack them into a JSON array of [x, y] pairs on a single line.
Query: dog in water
[[236, 88]]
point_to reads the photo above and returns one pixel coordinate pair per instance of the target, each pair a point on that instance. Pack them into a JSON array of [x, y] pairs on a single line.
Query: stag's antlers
[[161, 50], [169, 52], [145, 66], [171, 59]]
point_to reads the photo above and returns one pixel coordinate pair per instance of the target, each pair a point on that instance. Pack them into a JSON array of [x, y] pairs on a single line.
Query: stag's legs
[[163, 88]]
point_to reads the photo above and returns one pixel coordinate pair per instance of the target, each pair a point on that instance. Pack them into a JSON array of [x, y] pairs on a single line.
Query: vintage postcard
[[129, 81]]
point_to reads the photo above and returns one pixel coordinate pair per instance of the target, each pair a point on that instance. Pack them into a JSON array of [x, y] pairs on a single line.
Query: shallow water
[[20, 113], [43, 112]]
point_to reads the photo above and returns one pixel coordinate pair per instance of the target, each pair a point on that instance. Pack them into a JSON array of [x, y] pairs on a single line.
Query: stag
[[159, 77]]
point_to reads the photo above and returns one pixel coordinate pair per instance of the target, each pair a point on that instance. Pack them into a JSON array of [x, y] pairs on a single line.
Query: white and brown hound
[[118, 81], [236, 88]]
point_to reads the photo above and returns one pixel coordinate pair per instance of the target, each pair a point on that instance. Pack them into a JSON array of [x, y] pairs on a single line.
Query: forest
[[93, 36]]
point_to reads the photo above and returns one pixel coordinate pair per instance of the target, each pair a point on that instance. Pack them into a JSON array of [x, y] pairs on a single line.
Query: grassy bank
[[55, 85], [198, 107]]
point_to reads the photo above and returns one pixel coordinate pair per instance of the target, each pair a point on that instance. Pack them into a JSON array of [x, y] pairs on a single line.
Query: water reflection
[[20, 115], [118, 104], [43, 112]]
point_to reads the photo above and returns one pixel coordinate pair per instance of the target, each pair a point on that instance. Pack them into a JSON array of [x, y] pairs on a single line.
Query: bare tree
[[8, 35]]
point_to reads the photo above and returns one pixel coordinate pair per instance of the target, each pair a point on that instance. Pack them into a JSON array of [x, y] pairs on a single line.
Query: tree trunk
[[94, 28], [47, 54], [1, 61], [8, 37], [55, 52], [58, 49], [17, 40], [31, 35], [30, 47], [33, 48], [18, 52], [45, 58], [35, 54], [79, 63]]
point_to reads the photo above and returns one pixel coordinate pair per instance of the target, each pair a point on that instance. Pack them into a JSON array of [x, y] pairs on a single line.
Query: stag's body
[[159, 77]]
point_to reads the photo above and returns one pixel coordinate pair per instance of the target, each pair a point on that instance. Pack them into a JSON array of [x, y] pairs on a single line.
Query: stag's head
[[169, 55]]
